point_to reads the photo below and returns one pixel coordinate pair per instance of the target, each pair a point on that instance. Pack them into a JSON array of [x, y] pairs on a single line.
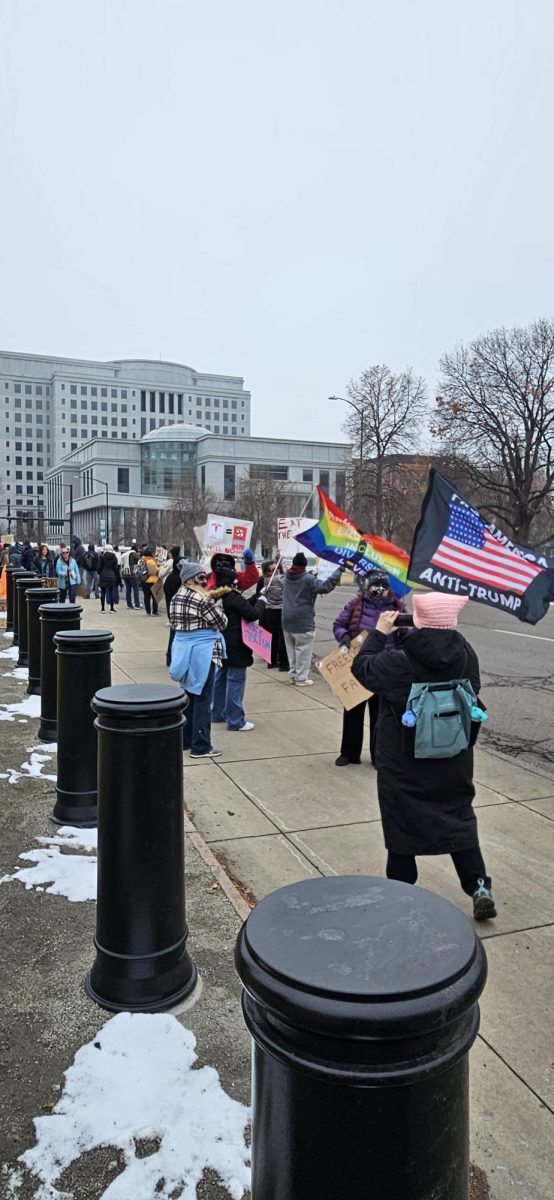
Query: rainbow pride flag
[[337, 539]]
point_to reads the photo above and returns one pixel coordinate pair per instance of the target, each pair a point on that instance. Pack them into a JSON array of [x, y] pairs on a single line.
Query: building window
[[103, 391], [340, 488], [142, 426], [83, 390], [152, 401], [114, 393], [171, 408], [162, 402], [114, 407], [271, 471], [307, 476], [94, 391], [17, 389], [229, 489], [73, 389], [28, 389], [38, 390], [324, 480], [180, 404], [124, 393], [143, 401], [123, 479], [104, 407]]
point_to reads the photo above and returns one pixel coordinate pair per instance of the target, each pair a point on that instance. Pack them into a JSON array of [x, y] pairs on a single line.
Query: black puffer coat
[[426, 804], [237, 608], [109, 570]]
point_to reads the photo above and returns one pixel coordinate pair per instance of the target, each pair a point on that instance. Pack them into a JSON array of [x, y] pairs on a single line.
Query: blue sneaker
[[483, 904]]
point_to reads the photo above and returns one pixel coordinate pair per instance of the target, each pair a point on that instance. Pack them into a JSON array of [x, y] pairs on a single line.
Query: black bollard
[[23, 584], [23, 575], [53, 617], [361, 998], [35, 598], [10, 572], [84, 667], [141, 964]]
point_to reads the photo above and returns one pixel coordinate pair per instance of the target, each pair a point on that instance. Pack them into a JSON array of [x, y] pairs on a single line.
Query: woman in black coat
[[230, 681], [110, 579], [426, 804]]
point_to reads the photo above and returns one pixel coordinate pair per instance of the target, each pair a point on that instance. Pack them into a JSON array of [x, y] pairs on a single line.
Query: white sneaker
[[292, 678], [247, 725], [304, 683]]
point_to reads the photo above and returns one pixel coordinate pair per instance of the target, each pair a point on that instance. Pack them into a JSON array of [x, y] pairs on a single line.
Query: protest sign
[[287, 529], [335, 669], [257, 639], [226, 535]]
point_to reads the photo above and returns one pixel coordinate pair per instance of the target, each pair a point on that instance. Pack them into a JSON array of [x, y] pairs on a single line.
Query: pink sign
[[258, 639]]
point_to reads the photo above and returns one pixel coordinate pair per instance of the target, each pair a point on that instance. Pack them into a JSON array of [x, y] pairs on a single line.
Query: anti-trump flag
[[335, 538], [456, 550]]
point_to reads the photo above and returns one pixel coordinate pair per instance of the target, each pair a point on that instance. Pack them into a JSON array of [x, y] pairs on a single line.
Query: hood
[[296, 573], [438, 650], [222, 560]]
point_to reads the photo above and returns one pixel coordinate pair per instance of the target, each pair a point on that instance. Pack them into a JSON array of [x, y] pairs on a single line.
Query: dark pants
[[132, 591], [197, 733], [169, 645], [272, 621], [150, 602], [68, 593], [353, 730], [110, 594], [469, 865]]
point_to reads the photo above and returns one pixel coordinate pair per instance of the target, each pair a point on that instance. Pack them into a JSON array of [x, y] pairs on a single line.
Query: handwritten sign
[[335, 669], [226, 535], [287, 528], [257, 639]]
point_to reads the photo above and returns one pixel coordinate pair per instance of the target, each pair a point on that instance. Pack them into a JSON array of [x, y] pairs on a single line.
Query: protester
[[198, 647], [28, 556], [358, 616], [300, 591], [171, 585], [110, 578], [272, 580], [425, 802], [129, 560], [15, 552], [247, 578], [44, 563], [230, 680], [90, 563], [79, 553], [68, 575], [147, 574]]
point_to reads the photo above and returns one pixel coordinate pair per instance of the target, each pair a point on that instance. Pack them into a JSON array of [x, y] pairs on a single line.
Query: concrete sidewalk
[[274, 809]]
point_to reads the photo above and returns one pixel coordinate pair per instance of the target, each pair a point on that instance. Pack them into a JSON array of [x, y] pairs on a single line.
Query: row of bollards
[[360, 994]]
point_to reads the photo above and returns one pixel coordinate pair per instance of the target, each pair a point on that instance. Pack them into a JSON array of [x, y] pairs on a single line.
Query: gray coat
[[299, 596]]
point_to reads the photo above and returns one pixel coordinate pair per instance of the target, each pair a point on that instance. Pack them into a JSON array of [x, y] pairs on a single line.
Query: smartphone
[[404, 621]]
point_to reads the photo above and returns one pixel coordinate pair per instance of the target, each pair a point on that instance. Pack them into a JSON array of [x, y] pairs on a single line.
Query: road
[[517, 673]]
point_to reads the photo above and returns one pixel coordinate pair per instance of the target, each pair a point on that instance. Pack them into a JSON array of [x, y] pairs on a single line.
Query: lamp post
[[104, 484], [360, 413]]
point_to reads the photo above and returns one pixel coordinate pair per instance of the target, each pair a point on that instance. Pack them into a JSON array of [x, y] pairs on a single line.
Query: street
[[517, 674]]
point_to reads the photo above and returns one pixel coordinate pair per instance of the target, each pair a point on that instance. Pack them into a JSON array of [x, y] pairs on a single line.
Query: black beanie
[[300, 560]]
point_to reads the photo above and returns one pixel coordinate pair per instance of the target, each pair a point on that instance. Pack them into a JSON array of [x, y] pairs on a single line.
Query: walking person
[[44, 563], [230, 679], [198, 648], [68, 576], [110, 578], [272, 620], [300, 592], [426, 802], [129, 560], [147, 574], [90, 564], [360, 615]]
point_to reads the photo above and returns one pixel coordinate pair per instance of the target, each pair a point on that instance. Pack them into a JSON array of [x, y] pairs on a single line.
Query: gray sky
[[288, 191]]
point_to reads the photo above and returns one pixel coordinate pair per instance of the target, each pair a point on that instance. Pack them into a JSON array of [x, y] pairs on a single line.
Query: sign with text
[[287, 529], [226, 535], [257, 639], [336, 671]]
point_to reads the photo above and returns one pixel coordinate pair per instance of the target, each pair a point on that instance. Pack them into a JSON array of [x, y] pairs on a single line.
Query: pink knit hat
[[436, 611]]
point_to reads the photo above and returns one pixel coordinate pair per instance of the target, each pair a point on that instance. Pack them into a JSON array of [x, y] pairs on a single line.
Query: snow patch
[[32, 769], [70, 875], [30, 707], [11, 652], [21, 673], [135, 1080]]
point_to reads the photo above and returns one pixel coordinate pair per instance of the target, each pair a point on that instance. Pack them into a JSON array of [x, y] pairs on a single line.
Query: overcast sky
[[286, 191]]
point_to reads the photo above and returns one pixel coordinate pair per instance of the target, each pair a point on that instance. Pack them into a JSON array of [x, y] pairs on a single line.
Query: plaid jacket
[[190, 610]]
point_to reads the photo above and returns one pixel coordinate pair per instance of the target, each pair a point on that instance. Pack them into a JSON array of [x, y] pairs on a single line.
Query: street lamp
[[360, 413], [104, 484]]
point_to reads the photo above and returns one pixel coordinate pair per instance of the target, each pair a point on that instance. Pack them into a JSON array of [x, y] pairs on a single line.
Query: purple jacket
[[361, 613]]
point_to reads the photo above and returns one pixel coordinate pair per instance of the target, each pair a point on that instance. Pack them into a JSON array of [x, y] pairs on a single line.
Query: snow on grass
[[11, 652], [136, 1081], [33, 768], [30, 707], [70, 875], [21, 673]]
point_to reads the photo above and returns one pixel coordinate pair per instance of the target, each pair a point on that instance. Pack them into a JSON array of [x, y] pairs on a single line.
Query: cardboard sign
[[257, 639], [335, 669], [287, 528], [226, 535]]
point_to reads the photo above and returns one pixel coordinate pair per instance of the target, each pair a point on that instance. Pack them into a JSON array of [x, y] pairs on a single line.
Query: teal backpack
[[437, 722]]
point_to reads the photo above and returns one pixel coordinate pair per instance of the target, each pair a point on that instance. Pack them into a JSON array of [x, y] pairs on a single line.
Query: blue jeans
[[92, 583], [132, 586], [197, 733], [71, 589], [230, 684]]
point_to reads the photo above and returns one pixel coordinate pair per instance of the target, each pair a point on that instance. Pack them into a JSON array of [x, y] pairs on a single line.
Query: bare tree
[[190, 506], [262, 499], [389, 418], [496, 412]]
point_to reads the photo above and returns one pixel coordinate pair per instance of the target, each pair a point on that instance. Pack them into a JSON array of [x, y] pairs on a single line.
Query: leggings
[[469, 865]]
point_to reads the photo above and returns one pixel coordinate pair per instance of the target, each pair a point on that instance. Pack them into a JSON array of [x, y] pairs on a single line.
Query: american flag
[[468, 549]]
